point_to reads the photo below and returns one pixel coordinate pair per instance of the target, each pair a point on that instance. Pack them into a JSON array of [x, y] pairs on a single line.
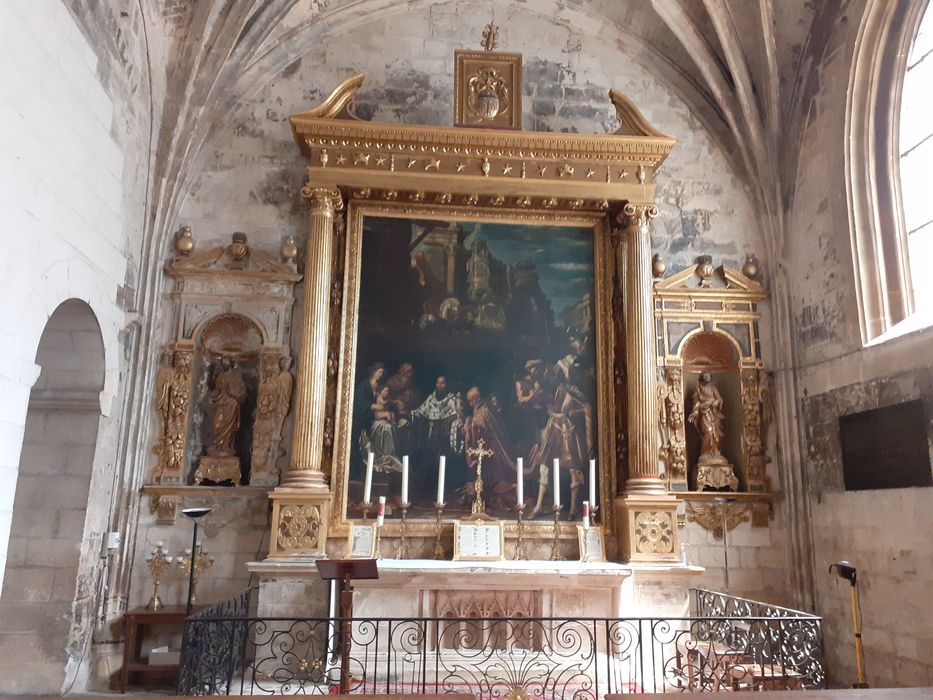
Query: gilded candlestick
[[520, 543], [401, 549], [158, 562], [555, 543], [365, 506], [202, 562], [589, 520], [439, 552], [378, 545]]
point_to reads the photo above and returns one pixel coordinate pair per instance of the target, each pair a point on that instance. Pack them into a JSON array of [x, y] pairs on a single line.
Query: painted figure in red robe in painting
[[498, 470]]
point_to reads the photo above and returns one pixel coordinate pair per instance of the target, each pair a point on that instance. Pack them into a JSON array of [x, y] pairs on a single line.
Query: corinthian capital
[[326, 198], [636, 215]]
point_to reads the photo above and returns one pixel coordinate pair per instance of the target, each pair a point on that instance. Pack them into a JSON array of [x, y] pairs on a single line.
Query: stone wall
[[882, 532], [45, 606], [757, 560], [235, 533], [70, 156], [408, 63]]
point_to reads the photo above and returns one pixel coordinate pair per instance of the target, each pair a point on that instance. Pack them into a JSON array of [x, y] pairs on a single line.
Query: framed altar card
[[592, 544], [361, 543], [478, 540]]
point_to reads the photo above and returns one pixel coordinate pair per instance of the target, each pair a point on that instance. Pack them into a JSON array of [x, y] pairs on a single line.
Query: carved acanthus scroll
[[757, 414], [173, 394], [715, 516], [671, 421], [272, 406]]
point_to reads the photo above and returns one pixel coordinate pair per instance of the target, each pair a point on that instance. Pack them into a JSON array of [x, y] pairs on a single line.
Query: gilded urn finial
[[184, 241], [239, 248], [704, 269], [751, 268], [289, 249], [490, 37], [658, 266]]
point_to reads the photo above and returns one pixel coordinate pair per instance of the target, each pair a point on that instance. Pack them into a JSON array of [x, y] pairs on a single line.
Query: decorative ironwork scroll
[[730, 644]]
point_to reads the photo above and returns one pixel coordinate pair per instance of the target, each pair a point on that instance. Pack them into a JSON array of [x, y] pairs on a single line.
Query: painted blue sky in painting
[[563, 255]]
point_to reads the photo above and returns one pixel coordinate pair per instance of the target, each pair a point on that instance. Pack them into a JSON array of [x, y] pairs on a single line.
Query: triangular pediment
[[722, 280], [234, 259]]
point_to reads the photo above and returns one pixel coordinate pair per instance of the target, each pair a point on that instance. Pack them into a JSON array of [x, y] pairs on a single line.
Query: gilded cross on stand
[[479, 452]]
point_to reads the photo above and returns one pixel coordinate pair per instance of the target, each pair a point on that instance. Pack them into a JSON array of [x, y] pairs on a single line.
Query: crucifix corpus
[[480, 452]]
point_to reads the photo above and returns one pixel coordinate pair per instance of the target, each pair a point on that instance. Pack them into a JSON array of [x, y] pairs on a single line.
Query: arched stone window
[[916, 159], [883, 67]]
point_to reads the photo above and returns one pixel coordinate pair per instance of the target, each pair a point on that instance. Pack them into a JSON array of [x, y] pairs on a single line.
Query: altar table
[[411, 588]]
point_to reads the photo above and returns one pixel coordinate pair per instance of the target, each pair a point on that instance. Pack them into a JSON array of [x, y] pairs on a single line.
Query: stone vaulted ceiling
[[737, 63]]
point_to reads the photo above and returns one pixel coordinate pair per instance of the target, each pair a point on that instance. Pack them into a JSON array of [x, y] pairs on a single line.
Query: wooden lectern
[[346, 570]]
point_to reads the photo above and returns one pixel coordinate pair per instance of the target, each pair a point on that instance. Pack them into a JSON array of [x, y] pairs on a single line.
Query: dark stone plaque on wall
[[886, 448]]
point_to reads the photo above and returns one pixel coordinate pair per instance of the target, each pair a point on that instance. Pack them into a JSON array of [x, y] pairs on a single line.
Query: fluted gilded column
[[301, 503], [640, 353], [648, 513], [304, 470]]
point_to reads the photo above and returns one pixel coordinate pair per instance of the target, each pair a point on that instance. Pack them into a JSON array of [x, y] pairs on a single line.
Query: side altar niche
[[224, 385]]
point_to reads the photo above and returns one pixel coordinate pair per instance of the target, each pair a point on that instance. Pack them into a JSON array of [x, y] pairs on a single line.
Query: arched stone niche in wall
[[224, 388], [708, 342]]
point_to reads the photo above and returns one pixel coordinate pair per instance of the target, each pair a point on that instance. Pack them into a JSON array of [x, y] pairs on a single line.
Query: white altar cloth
[[432, 588]]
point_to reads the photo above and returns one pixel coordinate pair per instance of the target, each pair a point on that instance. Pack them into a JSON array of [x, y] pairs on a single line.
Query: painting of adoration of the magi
[[469, 331]]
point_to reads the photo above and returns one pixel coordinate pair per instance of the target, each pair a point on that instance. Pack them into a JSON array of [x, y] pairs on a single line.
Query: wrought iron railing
[[227, 651], [717, 604]]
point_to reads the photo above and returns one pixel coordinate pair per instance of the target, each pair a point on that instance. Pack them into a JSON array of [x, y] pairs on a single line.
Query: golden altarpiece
[[649, 336], [604, 183]]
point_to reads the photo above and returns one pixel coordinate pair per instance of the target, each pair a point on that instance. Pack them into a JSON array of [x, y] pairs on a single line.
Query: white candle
[[520, 481], [593, 482], [556, 482], [441, 473], [405, 479], [368, 484], [586, 515], [381, 512]]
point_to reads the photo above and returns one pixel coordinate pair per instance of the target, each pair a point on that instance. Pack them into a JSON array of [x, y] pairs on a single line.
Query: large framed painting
[[468, 330]]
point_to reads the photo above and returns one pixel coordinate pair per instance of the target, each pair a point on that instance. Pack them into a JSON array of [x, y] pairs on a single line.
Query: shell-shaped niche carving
[[231, 336], [709, 352]]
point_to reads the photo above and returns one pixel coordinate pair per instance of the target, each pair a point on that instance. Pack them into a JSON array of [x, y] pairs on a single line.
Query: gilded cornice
[[346, 152]]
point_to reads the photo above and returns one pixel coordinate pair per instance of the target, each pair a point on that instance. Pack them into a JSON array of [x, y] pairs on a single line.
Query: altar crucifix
[[479, 452]]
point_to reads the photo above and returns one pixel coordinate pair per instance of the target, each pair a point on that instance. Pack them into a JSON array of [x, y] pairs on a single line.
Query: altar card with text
[[363, 541], [478, 540], [592, 544]]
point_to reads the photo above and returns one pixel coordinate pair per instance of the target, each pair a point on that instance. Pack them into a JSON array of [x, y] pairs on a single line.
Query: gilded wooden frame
[[603, 279]]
